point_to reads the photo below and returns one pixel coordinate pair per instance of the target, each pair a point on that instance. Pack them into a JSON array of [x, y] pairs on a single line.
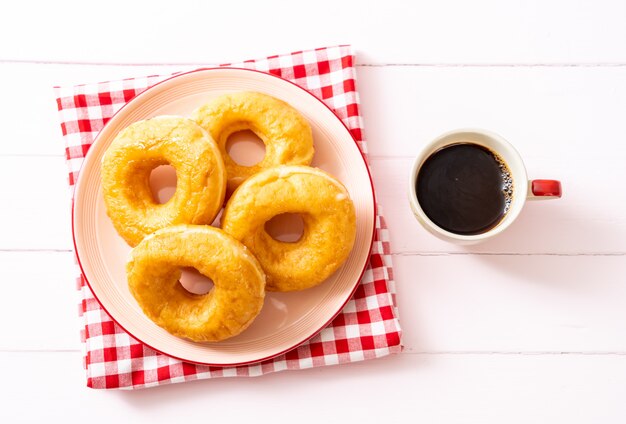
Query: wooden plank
[[589, 219], [482, 31], [39, 302], [453, 303], [417, 388], [30, 117], [403, 108], [512, 303], [36, 203], [559, 118]]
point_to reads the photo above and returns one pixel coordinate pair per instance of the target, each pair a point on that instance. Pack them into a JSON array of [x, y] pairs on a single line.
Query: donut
[[285, 132], [329, 224], [154, 270], [140, 148]]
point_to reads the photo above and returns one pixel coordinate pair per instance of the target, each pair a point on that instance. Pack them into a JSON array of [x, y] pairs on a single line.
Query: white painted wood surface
[[529, 327]]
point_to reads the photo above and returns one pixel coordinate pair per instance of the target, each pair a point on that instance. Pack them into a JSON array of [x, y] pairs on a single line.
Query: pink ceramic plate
[[287, 319]]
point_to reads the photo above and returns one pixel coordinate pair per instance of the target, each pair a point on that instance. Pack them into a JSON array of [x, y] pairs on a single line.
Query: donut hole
[[162, 183], [194, 282], [245, 148], [286, 227]]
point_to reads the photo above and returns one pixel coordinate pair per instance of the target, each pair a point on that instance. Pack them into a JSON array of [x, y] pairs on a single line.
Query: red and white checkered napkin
[[366, 328]]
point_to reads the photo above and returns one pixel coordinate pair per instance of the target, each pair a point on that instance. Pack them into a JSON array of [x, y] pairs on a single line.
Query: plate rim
[[267, 357]]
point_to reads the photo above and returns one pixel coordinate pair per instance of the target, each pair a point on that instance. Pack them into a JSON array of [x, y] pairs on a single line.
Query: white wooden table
[[527, 328]]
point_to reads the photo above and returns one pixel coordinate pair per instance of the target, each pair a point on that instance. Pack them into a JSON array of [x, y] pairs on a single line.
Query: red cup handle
[[546, 188]]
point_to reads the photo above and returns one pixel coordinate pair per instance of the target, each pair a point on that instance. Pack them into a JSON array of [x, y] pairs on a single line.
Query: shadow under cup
[[502, 150]]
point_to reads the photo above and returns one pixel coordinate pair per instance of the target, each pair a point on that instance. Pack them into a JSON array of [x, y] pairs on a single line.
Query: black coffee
[[464, 188]]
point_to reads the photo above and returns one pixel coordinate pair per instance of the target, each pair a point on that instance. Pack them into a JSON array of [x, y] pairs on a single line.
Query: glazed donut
[[229, 308], [285, 132], [141, 147], [329, 224]]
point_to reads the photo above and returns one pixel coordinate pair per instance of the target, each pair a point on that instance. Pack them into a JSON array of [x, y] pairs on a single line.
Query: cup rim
[[521, 189]]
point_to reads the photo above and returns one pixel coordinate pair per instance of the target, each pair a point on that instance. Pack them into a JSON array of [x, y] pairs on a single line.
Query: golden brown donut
[[286, 133], [329, 224], [229, 308], [141, 147]]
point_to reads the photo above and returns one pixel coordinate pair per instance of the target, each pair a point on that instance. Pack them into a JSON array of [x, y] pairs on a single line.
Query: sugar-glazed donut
[[329, 224], [229, 308], [141, 147], [285, 132]]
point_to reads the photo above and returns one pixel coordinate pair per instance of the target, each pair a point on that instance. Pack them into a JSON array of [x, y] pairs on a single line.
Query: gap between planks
[[32, 155], [506, 254], [515, 352], [412, 352], [34, 250], [592, 254], [609, 254], [369, 65]]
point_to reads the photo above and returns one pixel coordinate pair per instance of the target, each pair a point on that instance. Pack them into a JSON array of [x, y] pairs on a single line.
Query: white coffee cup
[[523, 189]]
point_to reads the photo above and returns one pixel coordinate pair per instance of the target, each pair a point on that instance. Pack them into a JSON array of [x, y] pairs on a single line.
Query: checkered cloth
[[366, 328]]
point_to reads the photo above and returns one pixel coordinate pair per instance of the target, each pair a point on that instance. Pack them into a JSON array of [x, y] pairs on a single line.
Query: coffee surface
[[464, 188]]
